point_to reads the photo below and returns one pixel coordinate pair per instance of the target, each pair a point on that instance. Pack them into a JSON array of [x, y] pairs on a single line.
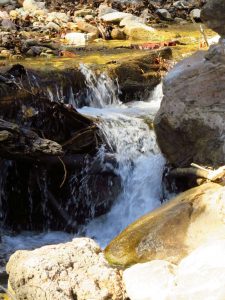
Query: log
[[199, 172], [19, 141]]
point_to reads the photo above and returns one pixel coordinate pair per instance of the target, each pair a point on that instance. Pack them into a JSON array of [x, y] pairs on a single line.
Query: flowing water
[[128, 132]]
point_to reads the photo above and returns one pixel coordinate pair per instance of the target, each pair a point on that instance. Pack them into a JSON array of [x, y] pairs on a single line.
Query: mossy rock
[[173, 230]]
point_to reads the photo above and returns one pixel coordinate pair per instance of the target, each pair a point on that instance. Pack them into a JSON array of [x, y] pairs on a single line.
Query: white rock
[[149, 281], [214, 39], [32, 5], [76, 38], [74, 270], [114, 17], [131, 19], [196, 14], [201, 275]]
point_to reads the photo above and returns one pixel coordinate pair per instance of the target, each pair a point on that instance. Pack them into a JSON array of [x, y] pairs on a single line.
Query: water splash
[[101, 90], [140, 166]]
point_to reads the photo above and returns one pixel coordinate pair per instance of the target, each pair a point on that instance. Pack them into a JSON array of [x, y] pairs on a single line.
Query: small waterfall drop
[[101, 90]]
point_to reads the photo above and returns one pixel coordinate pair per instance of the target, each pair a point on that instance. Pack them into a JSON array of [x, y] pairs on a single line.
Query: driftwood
[[199, 172], [18, 141]]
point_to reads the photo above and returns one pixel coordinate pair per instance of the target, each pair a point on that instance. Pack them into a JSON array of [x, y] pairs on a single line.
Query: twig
[[65, 173]]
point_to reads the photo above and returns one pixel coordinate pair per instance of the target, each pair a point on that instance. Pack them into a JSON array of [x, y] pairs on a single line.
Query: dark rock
[[213, 15]]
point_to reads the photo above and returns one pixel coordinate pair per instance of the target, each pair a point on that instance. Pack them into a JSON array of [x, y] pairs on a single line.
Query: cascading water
[[129, 136], [101, 90]]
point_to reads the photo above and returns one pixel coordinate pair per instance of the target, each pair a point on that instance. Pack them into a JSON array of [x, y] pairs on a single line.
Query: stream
[[127, 129]]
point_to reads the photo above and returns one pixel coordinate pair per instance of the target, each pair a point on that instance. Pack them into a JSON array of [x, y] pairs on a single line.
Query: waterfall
[[127, 130], [140, 166], [101, 90]]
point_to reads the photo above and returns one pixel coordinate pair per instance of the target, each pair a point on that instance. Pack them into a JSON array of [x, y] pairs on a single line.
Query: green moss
[[161, 234]]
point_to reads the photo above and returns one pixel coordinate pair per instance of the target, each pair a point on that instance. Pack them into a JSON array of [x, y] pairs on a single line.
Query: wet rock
[[72, 270], [196, 277], [186, 120], [172, 231], [213, 15]]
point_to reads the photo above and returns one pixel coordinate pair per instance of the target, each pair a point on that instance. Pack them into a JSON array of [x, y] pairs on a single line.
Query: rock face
[[75, 270], [138, 76], [213, 15], [198, 276], [174, 230], [192, 117]]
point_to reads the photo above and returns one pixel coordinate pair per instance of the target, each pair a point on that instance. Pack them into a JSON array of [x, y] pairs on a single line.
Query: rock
[[196, 14], [86, 27], [131, 19], [213, 15], [6, 53], [8, 24], [88, 18], [114, 17], [138, 31], [186, 120], [163, 14], [53, 26], [32, 5], [4, 2], [137, 77], [172, 231], [118, 34], [83, 12], [76, 38], [148, 281], [4, 15], [105, 9], [199, 276], [57, 17], [74, 270]]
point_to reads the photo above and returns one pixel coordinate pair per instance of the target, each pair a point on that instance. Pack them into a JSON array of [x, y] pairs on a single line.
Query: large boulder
[[213, 15], [174, 230], [200, 275], [190, 124], [74, 270]]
